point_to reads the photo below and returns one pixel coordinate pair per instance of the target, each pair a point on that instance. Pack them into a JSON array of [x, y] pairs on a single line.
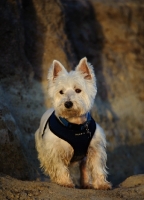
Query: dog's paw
[[104, 186], [87, 186], [69, 185]]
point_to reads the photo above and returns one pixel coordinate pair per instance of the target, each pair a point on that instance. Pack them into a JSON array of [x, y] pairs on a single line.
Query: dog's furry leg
[[84, 179], [61, 176], [55, 164], [58, 170], [55, 161], [96, 161]]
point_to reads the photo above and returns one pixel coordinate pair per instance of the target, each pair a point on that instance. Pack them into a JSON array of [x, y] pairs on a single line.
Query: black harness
[[78, 136]]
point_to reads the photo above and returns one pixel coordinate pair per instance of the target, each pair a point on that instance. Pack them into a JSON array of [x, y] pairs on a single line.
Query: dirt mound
[[13, 189]]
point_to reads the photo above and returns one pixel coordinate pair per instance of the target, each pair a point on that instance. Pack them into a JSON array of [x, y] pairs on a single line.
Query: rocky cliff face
[[111, 35]]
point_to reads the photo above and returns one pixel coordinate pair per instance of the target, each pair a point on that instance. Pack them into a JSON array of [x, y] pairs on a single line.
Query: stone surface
[[13, 160], [133, 181]]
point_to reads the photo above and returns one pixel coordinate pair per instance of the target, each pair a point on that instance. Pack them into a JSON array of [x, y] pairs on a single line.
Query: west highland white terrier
[[68, 134]]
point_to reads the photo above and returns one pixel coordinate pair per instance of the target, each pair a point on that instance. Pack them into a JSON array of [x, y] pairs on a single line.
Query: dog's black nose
[[68, 104]]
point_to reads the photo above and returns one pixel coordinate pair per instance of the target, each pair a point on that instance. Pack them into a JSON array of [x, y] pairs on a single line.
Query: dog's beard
[[69, 113], [78, 109], [75, 111]]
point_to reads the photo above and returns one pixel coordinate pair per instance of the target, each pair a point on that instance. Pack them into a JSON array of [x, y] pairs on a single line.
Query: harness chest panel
[[78, 136]]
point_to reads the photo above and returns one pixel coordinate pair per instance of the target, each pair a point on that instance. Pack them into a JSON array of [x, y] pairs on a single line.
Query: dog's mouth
[[69, 109], [69, 112]]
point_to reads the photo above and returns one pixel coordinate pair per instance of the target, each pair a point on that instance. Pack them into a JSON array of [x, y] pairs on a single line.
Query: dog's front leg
[[84, 173], [61, 176], [96, 162], [59, 172]]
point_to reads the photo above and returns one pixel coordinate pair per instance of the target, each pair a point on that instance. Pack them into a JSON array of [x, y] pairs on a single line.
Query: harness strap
[[78, 136]]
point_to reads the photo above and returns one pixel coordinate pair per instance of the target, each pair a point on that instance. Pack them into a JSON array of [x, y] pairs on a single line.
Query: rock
[[13, 161], [133, 181]]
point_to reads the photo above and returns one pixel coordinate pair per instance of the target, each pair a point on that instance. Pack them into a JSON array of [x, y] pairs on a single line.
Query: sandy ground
[[13, 189]]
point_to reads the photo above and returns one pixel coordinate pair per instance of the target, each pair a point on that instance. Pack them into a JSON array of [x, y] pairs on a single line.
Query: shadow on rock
[[86, 39], [125, 161]]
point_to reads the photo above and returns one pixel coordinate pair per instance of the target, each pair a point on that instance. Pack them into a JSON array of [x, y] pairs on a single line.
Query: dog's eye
[[61, 92], [77, 90]]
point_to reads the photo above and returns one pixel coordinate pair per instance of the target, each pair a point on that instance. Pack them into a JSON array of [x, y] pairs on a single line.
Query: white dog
[[67, 133]]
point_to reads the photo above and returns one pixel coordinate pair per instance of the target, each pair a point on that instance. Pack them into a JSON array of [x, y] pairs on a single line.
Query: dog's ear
[[57, 67], [84, 69]]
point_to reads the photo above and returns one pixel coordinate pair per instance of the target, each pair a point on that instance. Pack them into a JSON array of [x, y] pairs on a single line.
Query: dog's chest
[[79, 138]]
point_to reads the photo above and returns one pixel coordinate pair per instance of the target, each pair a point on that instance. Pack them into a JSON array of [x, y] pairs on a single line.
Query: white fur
[[67, 82], [54, 153]]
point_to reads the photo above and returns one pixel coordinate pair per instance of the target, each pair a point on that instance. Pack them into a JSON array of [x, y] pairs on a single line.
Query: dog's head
[[73, 92]]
